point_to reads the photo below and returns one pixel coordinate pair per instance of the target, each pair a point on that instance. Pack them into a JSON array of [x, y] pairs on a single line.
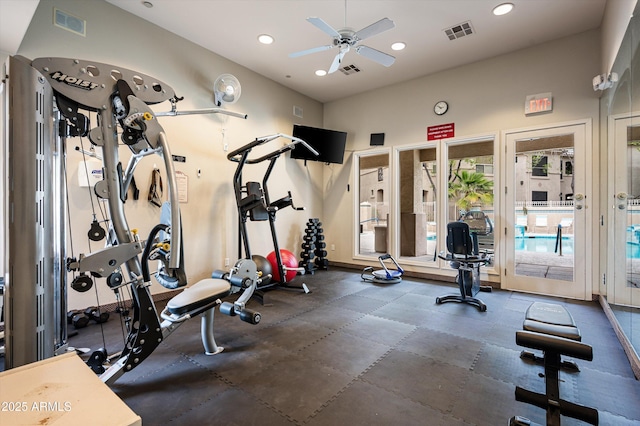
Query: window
[[539, 165], [373, 205], [538, 195], [568, 168], [486, 169]]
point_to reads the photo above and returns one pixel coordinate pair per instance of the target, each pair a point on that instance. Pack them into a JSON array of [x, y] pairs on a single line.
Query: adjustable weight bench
[[553, 348], [551, 319]]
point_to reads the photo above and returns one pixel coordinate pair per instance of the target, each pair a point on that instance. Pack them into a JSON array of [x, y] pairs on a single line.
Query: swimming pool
[[543, 244], [547, 244]]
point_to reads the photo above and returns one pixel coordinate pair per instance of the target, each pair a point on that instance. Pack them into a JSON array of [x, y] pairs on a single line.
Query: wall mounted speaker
[[377, 139]]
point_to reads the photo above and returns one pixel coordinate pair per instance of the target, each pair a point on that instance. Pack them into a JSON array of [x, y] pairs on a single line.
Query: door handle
[[621, 200]]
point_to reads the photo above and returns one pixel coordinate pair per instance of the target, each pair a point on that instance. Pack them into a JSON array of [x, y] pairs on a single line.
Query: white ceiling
[[230, 28]]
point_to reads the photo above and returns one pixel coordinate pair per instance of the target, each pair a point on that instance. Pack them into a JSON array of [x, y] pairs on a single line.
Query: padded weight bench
[[554, 320], [553, 348]]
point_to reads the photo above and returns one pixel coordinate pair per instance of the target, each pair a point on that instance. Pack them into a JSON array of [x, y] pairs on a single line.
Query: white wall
[[614, 24], [209, 218], [485, 97]]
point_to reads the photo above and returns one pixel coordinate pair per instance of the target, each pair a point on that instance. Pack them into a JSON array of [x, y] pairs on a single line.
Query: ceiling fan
[[346, 38]]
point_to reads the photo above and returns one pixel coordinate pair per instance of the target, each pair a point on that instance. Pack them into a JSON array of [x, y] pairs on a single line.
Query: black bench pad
[[551, 318]]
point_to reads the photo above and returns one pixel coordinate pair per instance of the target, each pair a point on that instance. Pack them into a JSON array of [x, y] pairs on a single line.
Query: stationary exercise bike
[[254, 203], [109, 91], [462, 254]]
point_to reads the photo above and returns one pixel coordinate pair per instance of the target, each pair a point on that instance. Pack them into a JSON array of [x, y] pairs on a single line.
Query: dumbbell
[[322, 262], [94, 314], [308, 246], [78, 319], [71, 314]]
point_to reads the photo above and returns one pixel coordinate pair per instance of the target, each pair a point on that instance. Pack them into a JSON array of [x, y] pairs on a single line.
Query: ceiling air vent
[[69, 22], [349, 69], [458, 31]]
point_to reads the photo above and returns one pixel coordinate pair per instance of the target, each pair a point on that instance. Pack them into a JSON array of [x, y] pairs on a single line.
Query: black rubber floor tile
[[297, 387], [443, 347], [379, 330], [330, 316], [425, 380], [484, 401], [385, 293], [293, 334], [345, 352], [505, 365], [363, 404], [413, 300], [160, 397], [242, 360], [461, 320], [602, 391], [361, 304], [433, 289], [398, 312], [232, 407]]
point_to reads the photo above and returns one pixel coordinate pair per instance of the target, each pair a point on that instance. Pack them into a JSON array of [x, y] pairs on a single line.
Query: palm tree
[[470, 188]]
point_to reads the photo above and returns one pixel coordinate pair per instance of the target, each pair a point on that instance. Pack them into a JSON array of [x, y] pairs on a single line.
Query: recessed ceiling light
[[503, 9], [321, 73], [398, 45], [265, 39], [147, 4]]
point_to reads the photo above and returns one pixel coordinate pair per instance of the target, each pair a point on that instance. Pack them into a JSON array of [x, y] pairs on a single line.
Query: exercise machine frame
[[253, 201], [120, 98]]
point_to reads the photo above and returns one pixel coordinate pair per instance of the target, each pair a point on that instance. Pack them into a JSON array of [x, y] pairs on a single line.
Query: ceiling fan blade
[[323, 26], [309, 51], [338, 60], [376, 28], [375, 55]]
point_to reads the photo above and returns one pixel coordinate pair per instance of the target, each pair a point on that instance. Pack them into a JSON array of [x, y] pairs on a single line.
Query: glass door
[[625, 195], [546, 211]]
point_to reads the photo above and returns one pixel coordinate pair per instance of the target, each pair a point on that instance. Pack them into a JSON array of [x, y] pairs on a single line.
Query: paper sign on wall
[[182, 182]]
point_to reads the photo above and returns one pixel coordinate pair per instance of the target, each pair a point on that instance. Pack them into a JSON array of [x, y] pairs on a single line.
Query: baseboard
[[632, 355], [413, 274]]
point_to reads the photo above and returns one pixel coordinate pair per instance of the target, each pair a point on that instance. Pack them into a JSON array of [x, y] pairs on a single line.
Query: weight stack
[[308, 252], [321, 261]]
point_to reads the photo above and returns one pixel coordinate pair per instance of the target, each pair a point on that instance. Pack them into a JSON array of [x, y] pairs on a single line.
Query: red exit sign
[[535, 104]]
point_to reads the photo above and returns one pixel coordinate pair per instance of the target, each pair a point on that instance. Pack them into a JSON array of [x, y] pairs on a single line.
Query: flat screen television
[[330, 144]]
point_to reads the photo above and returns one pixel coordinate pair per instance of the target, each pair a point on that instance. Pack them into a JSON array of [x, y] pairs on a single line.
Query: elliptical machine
[[254, 203]]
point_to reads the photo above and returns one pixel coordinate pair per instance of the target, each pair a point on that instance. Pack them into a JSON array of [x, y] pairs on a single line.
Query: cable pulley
[[96, 232], [82, 283]]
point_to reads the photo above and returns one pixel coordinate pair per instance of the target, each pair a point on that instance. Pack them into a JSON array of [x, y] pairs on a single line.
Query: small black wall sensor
[[377, 139]]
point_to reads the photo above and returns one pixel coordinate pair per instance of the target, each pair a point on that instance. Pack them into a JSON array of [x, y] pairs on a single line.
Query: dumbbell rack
[[314, 253]]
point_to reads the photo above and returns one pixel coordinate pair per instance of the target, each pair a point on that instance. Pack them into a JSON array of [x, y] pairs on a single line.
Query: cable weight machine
[[35, 153]]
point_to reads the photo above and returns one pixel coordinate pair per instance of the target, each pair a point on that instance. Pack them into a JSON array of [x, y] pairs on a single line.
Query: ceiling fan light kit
[[346, 38]]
